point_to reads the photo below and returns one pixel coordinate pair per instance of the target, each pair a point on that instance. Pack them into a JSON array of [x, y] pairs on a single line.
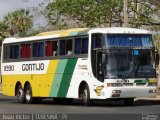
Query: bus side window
[[41, 49], [69, 47], [38, 49], [84, 45], [35, 50], [54, 49], [62, 47], [23, 50], [6, 52], [14, 52], [77, 46], [11, 52], [66, 47], [51, 48], [81, 45], [48, 48], [28, 50]]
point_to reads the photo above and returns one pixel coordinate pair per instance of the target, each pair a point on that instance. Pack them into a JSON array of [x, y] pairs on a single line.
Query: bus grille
[[132, 84], [140, 84], [128, 84]]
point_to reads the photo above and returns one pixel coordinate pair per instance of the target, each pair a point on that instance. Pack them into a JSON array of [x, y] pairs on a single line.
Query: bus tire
[[28, 94], [86, 95], [20, 94], [129, 101]]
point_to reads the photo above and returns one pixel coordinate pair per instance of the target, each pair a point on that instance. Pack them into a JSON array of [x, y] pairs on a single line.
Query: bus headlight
[[116, 93], [152, 91], [114, 84]]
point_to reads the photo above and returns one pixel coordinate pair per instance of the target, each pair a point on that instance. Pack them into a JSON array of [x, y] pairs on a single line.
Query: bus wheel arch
[[26, 83], [19, 92], [84, 93], [16, 87]]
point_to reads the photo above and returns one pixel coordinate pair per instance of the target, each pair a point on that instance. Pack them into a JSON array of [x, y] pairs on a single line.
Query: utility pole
[[125, 13]]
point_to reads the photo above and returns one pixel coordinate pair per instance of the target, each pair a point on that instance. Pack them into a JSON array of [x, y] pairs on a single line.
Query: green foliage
[[18, 22], [85, 13], [93, 13], [3, 30], [143, 13]]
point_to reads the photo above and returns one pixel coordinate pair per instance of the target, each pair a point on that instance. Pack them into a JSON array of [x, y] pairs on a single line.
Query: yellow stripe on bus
[[62, 33], [40, 83]]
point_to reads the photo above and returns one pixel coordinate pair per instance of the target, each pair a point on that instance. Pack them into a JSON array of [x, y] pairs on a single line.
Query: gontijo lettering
[[33, 67]]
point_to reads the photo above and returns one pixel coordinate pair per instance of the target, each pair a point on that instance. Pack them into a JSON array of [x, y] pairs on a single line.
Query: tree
[[144, 13], [93, 13], [85, 13], [3, 31], [18, 22]]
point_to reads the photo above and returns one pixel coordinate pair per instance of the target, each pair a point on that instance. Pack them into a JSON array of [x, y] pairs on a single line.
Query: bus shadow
[[104, 103], [146, 102], [139, 102]]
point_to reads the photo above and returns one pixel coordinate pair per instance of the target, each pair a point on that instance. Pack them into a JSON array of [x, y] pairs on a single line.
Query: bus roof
[[77, 32], [69, 32], [16, 40], [50, 35], [119, 30]]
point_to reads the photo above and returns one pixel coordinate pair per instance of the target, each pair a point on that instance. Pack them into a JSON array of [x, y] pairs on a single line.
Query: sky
[[11, 5]]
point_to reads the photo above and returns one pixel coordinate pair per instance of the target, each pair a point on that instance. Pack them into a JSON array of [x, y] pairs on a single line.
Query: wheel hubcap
[[85, 95], [28, 95], [20, 94]]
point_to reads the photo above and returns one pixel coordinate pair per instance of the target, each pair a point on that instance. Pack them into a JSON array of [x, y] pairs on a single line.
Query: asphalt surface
[[110, 110]]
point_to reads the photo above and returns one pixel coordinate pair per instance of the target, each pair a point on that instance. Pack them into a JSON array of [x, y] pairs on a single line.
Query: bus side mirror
[[103, 58], [157, 59]]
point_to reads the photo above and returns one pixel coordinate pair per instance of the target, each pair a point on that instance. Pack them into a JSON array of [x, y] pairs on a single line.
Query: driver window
[[96, 40]]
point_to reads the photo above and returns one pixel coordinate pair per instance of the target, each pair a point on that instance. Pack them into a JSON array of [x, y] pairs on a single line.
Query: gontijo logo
[[33, 67], [98, 90]]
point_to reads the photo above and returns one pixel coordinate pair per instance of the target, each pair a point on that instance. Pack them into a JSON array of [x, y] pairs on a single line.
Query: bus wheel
[[20, 94], [86, 96], [129, 101], [28, 95]]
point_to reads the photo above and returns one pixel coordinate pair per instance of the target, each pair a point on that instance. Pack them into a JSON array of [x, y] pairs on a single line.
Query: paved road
[[103, 110]]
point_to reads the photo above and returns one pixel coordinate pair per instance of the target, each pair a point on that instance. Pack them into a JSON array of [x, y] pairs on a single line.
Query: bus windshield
[[113, 40], [144, 63], [130, 63]]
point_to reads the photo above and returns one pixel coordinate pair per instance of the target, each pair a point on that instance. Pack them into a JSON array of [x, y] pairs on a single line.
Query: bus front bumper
[[128, 92]]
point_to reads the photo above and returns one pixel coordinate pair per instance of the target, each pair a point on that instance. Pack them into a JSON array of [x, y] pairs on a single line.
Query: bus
[[81, 63]]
